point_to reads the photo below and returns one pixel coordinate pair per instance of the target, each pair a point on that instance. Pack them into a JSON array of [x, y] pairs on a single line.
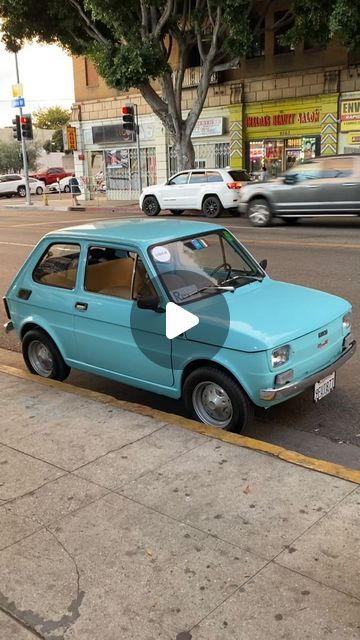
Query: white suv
[[12, 184], [207, 190]]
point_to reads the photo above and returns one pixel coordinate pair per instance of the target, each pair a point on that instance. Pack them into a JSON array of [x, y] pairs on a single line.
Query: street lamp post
[[23, 144]]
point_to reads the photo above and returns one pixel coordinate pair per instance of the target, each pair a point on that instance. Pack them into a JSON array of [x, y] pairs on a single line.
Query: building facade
[[282, 104]]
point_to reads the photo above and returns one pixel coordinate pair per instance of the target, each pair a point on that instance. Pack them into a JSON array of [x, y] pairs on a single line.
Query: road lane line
[[321, 466], [16, 244]]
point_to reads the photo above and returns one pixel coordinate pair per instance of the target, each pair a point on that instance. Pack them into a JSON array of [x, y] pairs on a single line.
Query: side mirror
[[290, 178], [263, 264], [148, 302]]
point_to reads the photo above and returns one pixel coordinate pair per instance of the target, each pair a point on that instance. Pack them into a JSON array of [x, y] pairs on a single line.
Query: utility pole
[[23, 144], [138, 146]]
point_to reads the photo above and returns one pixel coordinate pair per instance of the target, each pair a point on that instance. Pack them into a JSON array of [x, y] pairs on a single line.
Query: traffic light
[[128, 116], [16, 128], [26, 127]]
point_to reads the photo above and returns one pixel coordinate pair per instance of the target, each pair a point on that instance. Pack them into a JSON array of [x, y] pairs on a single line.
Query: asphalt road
[[321, 254]]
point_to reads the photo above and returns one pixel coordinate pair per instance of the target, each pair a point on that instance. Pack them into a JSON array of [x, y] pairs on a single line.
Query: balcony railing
[[193, 74]]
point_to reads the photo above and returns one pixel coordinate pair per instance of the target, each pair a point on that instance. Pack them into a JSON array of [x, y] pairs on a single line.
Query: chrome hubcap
[[259, 214], [41, 358], [212, 404]]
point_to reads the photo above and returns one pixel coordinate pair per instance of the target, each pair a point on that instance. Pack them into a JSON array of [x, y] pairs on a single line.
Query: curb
[[321, 466]]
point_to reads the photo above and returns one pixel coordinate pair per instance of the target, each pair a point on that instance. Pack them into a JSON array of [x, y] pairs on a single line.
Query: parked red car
[[53, 174]]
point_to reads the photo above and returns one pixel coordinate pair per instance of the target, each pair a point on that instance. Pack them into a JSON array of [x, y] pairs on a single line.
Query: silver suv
[[323, 186]]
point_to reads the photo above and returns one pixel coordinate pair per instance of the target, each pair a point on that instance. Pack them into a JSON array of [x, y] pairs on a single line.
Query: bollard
[[46, 199]]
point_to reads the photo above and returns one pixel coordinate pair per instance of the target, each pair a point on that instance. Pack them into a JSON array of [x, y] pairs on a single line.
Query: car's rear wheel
[[290, 220], [39, 191], [211, 207], [66, 188], [151, 206], [22, 192], [259, 212], [42, 356], [215, 398], [176, 212]]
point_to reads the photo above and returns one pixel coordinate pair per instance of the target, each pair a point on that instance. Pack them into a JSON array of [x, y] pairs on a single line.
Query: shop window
[[91, 75], [283, 21]]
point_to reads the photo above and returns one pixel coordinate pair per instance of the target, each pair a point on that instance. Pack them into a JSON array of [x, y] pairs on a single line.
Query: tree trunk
[[185, 153]]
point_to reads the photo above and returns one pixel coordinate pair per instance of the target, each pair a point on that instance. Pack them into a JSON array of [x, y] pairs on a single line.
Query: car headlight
[[280, 355], [346, 321]]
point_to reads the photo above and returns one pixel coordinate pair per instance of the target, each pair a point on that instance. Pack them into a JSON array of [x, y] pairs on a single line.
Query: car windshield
[[195, 267]]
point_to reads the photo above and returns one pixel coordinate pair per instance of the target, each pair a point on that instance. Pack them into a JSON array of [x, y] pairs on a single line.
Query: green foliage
[[51, 118], [56, 143], [10, 156]]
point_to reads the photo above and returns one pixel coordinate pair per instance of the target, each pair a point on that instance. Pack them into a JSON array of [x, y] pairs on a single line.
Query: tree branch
[[164, 18], [144, 20], [158, 105], [94, 32]]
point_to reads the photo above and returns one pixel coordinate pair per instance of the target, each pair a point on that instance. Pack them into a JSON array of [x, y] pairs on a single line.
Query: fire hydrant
[[46, 199]]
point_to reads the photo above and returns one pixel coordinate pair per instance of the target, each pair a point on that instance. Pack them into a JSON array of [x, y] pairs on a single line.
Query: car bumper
[[292, 389]]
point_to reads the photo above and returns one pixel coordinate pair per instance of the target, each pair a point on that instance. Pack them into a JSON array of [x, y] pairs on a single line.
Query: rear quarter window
[[58, 266], [240, 176]]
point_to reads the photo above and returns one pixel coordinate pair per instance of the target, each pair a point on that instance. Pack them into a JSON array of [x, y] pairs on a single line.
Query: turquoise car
[[98, 297]]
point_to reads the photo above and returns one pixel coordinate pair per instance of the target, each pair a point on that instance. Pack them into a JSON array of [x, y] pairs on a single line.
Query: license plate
[[324, 387]]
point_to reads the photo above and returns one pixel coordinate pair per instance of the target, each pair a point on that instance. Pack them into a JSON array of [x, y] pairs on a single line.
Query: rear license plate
[[324, 387]]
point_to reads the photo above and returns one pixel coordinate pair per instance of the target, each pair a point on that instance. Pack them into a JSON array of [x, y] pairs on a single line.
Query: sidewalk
[[64, 203], [121, 525]]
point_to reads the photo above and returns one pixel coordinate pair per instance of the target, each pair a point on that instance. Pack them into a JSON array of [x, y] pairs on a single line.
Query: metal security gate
[[122, 172], [207, 156]]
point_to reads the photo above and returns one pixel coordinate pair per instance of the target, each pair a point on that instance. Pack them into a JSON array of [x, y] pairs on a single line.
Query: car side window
[[58, 266], [213, 176], [197, 177], [181, 178], [110, 271]]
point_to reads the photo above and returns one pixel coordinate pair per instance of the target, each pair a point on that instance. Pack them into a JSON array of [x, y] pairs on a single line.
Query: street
[[319, 254]]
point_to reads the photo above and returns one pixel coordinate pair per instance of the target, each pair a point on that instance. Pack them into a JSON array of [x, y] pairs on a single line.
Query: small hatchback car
[[96, 297], [207, 190]]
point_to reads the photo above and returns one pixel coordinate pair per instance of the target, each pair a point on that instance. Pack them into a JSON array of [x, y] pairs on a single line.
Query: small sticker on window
[[161, 254], [196, 244]]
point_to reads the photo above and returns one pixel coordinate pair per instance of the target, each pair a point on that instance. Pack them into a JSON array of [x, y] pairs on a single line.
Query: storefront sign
[[208, 127], [350, 115], [353, 138], [283, 119], [71, 138]]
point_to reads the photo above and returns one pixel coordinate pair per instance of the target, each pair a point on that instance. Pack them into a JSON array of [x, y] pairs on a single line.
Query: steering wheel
[[224, 265]]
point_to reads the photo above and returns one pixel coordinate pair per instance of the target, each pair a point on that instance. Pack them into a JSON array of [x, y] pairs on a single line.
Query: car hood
[[262, 315]]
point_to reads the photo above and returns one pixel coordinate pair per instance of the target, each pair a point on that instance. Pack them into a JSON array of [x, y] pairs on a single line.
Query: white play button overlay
[[178, 320]]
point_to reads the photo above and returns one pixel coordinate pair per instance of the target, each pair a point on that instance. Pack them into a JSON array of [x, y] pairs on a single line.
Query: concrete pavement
[[115, 523]]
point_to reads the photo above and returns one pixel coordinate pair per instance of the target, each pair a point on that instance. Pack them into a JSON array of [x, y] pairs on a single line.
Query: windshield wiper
[[245, 276], [218, 287]]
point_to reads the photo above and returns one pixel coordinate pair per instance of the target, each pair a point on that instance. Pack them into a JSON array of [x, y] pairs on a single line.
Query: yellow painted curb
[[322, 466]]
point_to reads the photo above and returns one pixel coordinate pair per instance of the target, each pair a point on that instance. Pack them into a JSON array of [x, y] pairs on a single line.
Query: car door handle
[[81, 306]]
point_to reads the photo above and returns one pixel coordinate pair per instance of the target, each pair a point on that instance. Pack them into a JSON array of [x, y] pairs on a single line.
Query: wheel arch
[[209, 195], [261, 196], [29, 325], [214, 364]]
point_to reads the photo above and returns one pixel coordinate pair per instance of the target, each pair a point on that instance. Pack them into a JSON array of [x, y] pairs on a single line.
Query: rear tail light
[[7, 309], [233, 185]]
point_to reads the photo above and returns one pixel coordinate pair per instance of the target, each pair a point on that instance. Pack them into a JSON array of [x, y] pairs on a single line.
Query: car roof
[[140, 231]]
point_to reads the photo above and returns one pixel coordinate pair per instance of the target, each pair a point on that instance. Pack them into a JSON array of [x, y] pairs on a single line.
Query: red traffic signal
[[26, 127], [128, 117]]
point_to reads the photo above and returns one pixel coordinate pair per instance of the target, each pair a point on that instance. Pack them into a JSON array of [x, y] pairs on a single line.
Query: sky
[[46, 74]]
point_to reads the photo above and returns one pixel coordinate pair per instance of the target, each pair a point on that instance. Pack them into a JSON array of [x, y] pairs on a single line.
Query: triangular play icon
[[178, 320]]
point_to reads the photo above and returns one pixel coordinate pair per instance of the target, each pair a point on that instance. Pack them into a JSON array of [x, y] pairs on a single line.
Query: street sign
[[18, 102], [17, 90]]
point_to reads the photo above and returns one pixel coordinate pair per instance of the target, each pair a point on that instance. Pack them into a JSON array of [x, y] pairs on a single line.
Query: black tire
[[259, 212], [66, 188], [39, 191], [211, 207], [150, 206], [21, 192], [176, 212], [196, 387], [290, 220], [42, 357]]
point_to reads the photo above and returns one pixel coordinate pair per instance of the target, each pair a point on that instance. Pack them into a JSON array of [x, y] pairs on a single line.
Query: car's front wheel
[[259, 213], [215, 398], [39, 191], [42, 356], [22, 192], [211, 207], [151, 206]]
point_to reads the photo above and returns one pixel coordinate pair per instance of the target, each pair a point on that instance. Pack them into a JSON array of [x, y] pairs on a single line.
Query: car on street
[[208, 190], [12, 184], [328, 185], [104, 298], [61, 186], [36, 187], [50, 175]]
